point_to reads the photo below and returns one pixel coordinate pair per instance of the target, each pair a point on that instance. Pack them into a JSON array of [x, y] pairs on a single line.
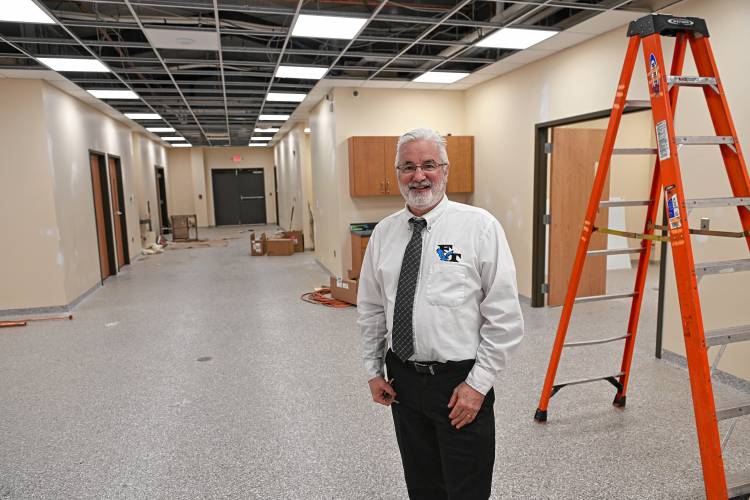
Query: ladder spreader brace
[[663, 91]]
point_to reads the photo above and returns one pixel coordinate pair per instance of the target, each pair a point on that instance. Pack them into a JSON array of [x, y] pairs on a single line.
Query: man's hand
[[382, 392], [465, 402]]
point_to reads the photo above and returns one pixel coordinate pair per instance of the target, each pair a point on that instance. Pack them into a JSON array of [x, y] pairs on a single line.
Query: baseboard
[[727, 378], [37, 311]]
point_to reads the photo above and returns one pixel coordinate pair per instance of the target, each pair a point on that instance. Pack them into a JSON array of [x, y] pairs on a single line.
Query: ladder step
[[703, 139], [612, 296], [722, 267], [616, 251], [691, 81], [718, 202], [634, 151], [623, 203], [730, 335], [587, 380], [595, 342], [733, 410], [738, 484], [638, 103]]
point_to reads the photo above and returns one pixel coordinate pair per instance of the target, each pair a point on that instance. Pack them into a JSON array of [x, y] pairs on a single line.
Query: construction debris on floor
[[183, 245], [281, 243], [323, 296]]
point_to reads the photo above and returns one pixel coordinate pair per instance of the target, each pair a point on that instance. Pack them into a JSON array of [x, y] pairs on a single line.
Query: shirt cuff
[[374, 368], [480, 379]]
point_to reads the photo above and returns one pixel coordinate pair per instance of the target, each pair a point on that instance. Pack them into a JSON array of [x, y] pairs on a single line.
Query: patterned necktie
[[403, 328]]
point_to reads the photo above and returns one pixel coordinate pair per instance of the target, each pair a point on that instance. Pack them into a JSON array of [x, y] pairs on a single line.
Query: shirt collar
[[432, 216]]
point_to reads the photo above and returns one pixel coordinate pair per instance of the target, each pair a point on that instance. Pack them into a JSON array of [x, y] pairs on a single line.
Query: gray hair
[[422, 134]]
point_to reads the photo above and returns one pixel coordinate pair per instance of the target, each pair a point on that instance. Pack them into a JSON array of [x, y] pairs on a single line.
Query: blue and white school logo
[[446, 253], [653, 75]]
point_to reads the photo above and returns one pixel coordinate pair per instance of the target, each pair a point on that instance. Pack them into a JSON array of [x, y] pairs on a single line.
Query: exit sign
[[236, 158]]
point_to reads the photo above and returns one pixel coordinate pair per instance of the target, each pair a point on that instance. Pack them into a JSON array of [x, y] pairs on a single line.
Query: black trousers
[[439, 461]]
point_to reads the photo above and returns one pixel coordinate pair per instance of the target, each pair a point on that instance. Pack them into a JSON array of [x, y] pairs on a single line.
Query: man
[[438, 289]]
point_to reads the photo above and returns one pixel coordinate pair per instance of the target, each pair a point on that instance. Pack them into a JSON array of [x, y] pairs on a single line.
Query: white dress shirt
[[466, 301]]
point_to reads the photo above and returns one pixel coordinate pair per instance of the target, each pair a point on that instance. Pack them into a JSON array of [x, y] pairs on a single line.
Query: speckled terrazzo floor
[[122, 402]]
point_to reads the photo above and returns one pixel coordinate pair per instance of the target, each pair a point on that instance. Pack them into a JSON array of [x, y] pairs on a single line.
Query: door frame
[[108, 229], [539, 231], [123, 217]]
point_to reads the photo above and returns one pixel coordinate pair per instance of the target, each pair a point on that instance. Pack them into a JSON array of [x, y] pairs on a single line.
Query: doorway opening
[[102, 214], [118, 211], [161, 200]]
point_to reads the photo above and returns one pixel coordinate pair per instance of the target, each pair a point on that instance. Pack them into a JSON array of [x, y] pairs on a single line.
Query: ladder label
[[653, 75], [662, 140], [673, 210]]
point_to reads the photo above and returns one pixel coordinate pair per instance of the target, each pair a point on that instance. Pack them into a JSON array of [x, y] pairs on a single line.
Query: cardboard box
[[352, 275], [344, 290], [299, 240], [257, 246], [278, 247]]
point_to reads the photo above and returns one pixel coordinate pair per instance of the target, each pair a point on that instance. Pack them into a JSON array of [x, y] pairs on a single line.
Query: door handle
[[382, 187], [251, 197]]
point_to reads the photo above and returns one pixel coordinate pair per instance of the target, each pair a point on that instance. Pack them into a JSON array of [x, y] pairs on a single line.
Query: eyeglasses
[[427, 167]]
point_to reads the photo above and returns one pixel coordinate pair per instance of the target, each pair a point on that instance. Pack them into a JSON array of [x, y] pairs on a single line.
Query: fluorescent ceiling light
[[74, 64], [264, 130], [175, 138], [182, 145], [258, 145], [342, 28], [285, 97], [261, 138], [23, 11], [273, 118], [440, 77], [113, 94], [160, 129], [515, 38], [143, 116], [307, 130], [301, 72]]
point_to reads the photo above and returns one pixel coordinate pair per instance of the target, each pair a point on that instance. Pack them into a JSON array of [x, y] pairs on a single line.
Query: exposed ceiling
[[207, 66]]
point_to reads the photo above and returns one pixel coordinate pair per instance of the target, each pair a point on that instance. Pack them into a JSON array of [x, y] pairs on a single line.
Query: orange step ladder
[[663, 89]]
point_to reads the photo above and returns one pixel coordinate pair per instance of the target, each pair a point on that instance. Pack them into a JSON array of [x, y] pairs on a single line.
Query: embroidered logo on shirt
[[446, 253]]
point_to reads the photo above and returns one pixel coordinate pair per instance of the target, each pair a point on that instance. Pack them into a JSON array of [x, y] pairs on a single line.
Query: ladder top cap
[[666, 25]]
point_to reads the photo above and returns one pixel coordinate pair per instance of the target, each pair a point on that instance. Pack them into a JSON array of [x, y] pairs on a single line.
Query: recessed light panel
[[264, 130], [113, 94], [23, 11], [301, 72], [174, 138], [515, 38], [70, 64], [440, 77], [258, 145], [261, 138], [341, 28], [307, 130], [181, 145], [273, 118], [160, 129], [143, 116], [285, 97]]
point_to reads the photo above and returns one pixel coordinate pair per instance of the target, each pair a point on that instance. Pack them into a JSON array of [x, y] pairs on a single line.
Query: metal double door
[[239, 196]]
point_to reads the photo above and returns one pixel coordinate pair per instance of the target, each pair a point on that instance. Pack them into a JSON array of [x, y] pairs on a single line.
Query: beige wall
[[59, 131], [288, 154], [31, 256], [192, 188]]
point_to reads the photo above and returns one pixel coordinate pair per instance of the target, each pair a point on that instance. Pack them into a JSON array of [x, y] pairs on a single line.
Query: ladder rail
[[588, 226]]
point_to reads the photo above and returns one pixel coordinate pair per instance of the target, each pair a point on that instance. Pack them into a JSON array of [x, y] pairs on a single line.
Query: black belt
[[435, 367]]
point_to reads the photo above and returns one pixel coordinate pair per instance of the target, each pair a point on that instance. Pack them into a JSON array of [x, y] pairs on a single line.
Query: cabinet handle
[[388, 186], [382, 187]]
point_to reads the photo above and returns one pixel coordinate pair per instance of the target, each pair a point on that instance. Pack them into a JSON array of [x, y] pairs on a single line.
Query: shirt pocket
[[446, 285]]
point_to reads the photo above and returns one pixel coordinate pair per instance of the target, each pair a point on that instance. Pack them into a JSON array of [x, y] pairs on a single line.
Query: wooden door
[[391, 179], [117, 212], [461, 159], [97, 183], [366, 166], [575, 153]]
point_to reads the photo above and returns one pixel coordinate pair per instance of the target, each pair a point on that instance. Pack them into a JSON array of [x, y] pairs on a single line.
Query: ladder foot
[[620, 401], [540, 415]]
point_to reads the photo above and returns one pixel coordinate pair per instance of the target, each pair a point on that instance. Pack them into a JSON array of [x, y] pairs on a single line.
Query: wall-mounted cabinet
[[372, 165]]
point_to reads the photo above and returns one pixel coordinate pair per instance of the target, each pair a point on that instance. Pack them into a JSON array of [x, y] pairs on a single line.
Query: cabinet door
[[366, 162], [391, 179], [461, 158]]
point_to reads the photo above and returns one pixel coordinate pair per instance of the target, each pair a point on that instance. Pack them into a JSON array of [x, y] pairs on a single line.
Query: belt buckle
[[429, 367]]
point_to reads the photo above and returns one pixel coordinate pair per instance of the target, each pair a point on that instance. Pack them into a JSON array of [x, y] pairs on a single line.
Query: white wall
[[288, 155]]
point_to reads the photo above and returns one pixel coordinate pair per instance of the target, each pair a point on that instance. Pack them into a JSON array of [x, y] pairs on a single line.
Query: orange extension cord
[[323, 297]]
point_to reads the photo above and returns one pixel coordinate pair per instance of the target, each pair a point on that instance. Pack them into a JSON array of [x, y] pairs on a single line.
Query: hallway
[[199, 373]]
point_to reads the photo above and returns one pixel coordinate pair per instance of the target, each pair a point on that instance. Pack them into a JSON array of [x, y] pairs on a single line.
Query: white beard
[[426, 199]]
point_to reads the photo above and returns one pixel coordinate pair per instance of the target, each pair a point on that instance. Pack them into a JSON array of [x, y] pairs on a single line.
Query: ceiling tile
[[182, 39]]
